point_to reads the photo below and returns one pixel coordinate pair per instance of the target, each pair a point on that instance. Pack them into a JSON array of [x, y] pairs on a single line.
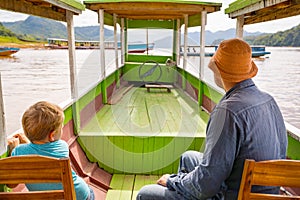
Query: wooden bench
[[37, 169], [168, 87], [281, 173]]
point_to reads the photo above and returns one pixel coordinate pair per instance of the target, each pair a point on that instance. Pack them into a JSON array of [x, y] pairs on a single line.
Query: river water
[[33, 75]]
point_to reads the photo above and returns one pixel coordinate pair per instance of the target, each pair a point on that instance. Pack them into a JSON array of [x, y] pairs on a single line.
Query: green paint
[[104, 92], [293, 148], [138, 134], [212, 93], [239, 4], [90, 96], [132, 72], [68, 114], [73, 3], [142, 58], [150, 24], [76, 117]]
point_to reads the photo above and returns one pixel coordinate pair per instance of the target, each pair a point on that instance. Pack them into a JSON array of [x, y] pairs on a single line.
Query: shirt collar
[[240, 85]]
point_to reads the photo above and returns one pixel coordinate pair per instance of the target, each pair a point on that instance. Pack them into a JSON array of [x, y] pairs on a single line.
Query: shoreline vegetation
[[15, 42]]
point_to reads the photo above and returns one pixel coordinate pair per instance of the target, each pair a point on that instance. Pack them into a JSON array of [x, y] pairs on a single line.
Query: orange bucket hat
[[233, 59]]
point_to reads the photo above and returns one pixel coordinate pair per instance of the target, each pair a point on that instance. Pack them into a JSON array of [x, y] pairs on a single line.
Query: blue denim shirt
[[246, 124]]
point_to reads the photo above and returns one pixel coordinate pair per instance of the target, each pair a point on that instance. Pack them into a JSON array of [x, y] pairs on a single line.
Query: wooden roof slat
[[166, 10], [139, 6], [153, 9], [53, 9], [264, 10], [271, 15]]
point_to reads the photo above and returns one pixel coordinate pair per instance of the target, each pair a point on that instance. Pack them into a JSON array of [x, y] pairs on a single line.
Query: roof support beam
[[72, 68], [240, 27], [28, 8], [202, 44]]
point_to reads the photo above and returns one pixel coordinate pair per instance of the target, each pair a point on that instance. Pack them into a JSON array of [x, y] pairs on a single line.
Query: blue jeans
[[188, 161]]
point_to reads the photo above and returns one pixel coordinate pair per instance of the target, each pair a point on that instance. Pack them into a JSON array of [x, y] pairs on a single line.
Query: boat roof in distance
[[256, 11], [164, 10], [52, 9]]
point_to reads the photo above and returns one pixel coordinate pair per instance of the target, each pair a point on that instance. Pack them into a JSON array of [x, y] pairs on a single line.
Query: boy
[[42, 124]]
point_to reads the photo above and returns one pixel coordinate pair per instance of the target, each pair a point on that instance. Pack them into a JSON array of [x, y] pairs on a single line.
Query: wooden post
[[72, 68], [122, 42], [178, 42], [102, 56], [202, 55], [3, 136], [240, 26], [117, 77], [186, 20], [202, 44]]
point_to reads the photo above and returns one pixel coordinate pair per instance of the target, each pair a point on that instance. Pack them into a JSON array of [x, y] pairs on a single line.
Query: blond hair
[[40, 119]]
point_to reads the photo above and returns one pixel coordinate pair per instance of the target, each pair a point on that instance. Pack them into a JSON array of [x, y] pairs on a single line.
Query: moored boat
[[257, 51], [56, 43], [7, 51]]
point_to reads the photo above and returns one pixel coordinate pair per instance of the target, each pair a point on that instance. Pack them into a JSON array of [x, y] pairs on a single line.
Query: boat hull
[[7, 51], [257, 51]]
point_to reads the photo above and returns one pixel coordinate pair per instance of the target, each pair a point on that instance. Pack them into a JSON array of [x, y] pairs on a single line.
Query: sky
[[217, 21]]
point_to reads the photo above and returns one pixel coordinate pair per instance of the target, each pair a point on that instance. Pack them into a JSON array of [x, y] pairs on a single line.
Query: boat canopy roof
[[153, 11], [52, 9], [256, 11]]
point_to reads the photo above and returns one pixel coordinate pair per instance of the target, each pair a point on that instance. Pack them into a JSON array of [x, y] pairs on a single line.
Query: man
[[246, 124]]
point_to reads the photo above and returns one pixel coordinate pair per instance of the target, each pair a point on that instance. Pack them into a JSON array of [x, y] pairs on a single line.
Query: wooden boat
[[257, 51], [7, 51], [121, 136], [56, 43]]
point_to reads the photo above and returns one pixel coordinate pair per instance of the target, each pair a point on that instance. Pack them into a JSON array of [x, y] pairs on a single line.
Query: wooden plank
[[168, 87], [127, 187], [122, 186], [142, 180], [113, 194]]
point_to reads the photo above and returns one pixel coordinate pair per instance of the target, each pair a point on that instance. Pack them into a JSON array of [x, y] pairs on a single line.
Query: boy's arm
[[22, 138], [13, 142], [17, 139]]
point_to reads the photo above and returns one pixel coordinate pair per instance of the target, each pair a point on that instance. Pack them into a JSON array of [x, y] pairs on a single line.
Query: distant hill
[[6, 32], [39, 29], [211, 38], [288, 38], [91, 33], [42, 28]]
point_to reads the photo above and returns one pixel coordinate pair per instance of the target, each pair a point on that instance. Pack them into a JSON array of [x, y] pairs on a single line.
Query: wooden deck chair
[[37, 169], [285, 173]]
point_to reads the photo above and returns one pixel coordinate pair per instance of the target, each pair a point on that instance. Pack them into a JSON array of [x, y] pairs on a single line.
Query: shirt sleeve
[[221, 147]]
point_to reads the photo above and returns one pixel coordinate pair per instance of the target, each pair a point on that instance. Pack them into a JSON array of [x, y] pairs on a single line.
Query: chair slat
[[37, 169], [284, 173]]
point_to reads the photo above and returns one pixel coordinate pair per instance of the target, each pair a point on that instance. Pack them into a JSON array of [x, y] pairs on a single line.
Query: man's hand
[[163, 180]]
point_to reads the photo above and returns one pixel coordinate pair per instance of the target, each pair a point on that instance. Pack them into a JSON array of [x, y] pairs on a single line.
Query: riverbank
[[32, 45]]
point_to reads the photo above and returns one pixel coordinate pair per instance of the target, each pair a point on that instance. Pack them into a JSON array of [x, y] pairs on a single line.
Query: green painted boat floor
[[126, 187], [155, 113]]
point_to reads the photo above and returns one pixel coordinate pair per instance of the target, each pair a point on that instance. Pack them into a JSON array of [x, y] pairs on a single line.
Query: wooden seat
[[168, 87], [284, 173], [37, 169]]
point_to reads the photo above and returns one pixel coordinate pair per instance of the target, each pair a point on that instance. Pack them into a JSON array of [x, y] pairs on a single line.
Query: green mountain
[[42, 28], [39, 28], [288, 38], [6, 32]]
